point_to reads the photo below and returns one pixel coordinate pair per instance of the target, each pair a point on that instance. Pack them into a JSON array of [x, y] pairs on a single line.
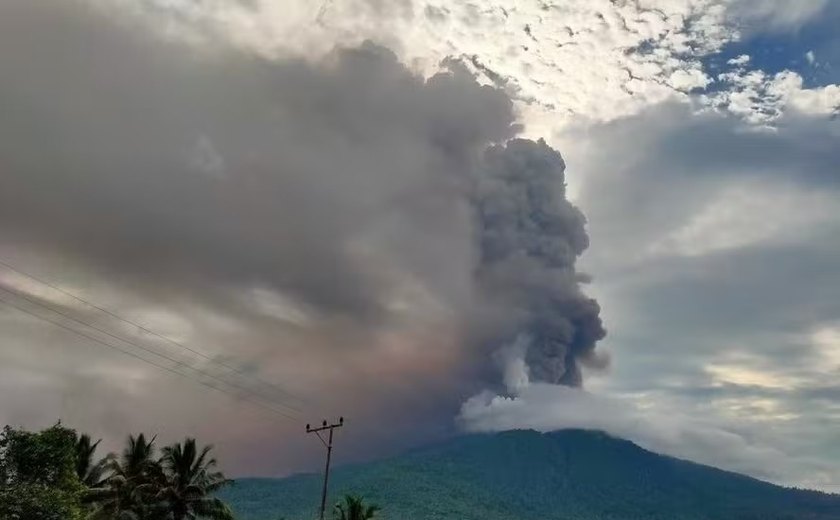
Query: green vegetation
[[38, 478], [353, 507], [190, 482], [88, 469], [54, 475], [524, 475]]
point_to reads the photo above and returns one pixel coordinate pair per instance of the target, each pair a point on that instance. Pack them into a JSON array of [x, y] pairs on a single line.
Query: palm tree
[[90, 473], [137, 457], [134, 480], [191, 480], [353, 508]]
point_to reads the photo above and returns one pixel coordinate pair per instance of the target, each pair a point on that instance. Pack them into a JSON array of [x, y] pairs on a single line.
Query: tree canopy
[[55, 475], [38, 478]]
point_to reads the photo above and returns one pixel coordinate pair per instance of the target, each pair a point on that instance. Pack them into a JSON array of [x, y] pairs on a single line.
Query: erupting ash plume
[[530, 237], [340, 225]]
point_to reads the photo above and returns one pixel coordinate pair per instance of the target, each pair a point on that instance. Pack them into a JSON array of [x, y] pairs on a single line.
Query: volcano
[[563, 475]]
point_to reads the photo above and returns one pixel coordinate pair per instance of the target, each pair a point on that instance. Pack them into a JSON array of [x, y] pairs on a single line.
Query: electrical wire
[[150, 332], [262, 400]]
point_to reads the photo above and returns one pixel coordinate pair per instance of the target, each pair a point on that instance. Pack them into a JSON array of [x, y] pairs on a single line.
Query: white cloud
[[747, 213], [762, 98], [688, 434], [592, 59], [597, 59], [821, 100], [741, 60]]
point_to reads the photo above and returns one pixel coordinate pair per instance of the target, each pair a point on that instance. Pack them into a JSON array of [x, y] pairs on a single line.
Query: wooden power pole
[[328, 444]]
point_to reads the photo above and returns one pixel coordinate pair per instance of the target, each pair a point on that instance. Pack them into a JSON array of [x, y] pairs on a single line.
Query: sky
[[228, 218]]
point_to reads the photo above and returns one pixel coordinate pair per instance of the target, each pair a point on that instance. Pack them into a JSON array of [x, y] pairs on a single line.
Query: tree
[[191, 480], [134, 481], [54, 475], [38, 475], [353, 507], [90, 473]]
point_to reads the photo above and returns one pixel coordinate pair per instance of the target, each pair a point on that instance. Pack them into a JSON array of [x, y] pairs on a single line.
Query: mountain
[[525, 475]]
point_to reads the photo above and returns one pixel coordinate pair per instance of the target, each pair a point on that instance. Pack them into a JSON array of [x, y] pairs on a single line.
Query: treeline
[[55, 474]]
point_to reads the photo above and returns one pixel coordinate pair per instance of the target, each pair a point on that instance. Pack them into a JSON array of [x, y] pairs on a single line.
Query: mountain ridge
[[523, 474]]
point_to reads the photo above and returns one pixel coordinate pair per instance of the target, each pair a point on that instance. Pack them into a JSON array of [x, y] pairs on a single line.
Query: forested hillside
[[526, 475]]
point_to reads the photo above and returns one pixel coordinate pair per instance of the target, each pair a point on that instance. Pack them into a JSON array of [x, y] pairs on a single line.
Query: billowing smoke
[[336, 224], [530, 237]]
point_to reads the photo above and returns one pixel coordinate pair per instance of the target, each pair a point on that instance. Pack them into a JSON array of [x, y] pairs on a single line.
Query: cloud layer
[[711, 241], [704, 440], [593, 59]]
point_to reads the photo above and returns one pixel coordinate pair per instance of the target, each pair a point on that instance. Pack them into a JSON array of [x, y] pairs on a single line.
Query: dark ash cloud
[[531, 237], [172, 163], [338, 225]]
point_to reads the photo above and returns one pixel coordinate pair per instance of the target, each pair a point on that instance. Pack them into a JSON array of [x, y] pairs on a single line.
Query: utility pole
[[328, 444]]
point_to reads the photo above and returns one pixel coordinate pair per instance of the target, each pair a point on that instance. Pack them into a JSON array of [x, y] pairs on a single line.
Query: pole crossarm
[[327, 444], [325, 426]]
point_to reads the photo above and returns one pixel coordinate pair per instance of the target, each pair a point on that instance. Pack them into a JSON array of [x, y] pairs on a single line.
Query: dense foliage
[[38, 479], [353, 507], [570, 475], [55, 475], [524, 475]]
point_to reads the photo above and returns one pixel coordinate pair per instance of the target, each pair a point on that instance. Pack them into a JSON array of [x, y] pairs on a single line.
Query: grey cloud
[[778, 15], [667, 164], [749, 304], [666, 168]]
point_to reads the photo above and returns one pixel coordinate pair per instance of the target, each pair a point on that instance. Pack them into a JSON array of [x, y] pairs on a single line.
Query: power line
[[146, 330], [134, 355], [247, 391], [146, 349]]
